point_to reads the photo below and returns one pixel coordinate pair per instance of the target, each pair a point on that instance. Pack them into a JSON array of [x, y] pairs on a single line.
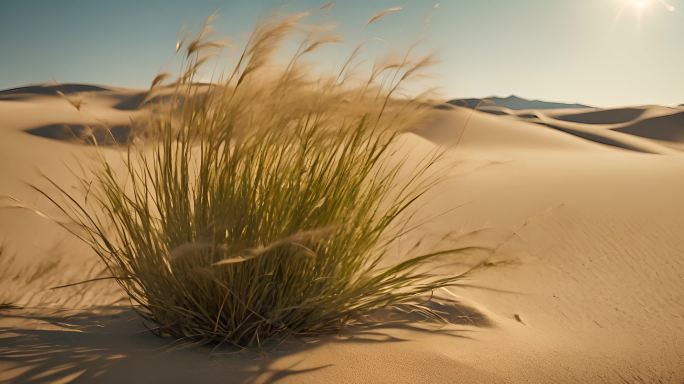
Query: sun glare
[[667, 5], [642, 8], [641, 5]]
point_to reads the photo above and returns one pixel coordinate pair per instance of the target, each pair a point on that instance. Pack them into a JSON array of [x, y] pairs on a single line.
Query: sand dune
[[609, 116], [665, 127], [660, 124], [477, 130], [607, 136], [648, 129], [595, 293]]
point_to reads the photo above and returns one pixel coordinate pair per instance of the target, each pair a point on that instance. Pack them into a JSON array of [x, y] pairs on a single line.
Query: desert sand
[[584, 206]]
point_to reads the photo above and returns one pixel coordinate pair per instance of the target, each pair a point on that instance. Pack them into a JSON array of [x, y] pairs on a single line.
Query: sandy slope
[[596, 293]]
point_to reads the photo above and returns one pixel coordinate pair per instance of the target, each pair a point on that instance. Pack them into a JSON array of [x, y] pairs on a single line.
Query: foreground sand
[[587, 205]]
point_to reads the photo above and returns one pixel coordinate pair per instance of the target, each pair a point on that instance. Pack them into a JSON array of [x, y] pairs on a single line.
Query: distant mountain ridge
[[53, 89], [513, 102]]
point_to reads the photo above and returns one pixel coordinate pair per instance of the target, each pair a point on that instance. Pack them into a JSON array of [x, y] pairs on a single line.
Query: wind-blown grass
[[265, 205]]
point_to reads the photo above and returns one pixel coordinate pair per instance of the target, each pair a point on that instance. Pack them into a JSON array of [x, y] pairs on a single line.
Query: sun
[[642, 9], [640, 4]]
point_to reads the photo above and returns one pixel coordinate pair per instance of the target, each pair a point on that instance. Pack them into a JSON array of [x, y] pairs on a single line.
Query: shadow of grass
[[110, 344], [114, 347], [116, 135]]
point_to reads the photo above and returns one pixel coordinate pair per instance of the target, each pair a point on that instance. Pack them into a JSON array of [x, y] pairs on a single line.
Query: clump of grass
[[264, 205]]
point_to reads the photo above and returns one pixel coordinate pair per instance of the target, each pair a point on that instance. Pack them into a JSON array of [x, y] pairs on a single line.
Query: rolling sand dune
[[665, 128], [625, 128], [609, 116], [662, 125], [594, 291]]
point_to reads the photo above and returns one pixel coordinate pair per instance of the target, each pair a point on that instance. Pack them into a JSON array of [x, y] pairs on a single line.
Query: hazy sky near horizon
[[598, 52]]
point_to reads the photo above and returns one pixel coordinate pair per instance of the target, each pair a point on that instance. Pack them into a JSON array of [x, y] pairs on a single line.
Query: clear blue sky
[[600, 52]]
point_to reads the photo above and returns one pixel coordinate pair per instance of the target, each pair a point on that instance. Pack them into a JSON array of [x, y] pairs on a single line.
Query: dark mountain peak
[[513, 102], [53, 89], [511, 97]]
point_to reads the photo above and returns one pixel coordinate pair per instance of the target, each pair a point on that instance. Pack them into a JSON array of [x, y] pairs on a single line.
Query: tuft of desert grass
[[267, 204]]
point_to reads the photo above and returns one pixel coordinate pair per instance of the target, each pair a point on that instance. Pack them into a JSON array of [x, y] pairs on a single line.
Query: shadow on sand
[[83, 134], [112, 345]]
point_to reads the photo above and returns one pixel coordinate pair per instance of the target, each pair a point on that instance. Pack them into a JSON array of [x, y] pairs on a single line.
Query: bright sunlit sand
[[289, 206]]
